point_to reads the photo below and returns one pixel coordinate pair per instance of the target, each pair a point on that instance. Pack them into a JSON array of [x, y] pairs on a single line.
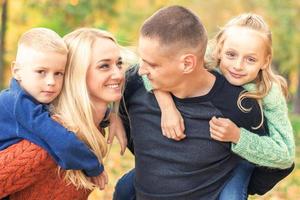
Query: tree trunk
[[297, 97], [2, 40]]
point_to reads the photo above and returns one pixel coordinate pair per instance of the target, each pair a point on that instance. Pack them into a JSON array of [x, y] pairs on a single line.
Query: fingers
[[111, 135], [101, 180], [122, 141]]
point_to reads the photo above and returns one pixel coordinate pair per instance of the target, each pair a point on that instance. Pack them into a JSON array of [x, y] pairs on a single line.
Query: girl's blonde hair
[[266, 76], [73, 106]]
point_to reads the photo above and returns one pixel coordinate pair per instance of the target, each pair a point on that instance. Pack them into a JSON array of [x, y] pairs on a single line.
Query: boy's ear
[[15, 70], [189, 62]]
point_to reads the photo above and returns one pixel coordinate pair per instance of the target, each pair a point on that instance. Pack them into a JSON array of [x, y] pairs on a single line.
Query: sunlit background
[[124, 17]]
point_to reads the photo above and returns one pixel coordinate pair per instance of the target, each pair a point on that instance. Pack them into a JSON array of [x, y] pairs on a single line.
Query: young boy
[[38, 74]]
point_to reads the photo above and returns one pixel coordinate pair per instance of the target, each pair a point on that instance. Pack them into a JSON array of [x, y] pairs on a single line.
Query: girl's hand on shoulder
[[172, 124], [116, 128], [224, 130]]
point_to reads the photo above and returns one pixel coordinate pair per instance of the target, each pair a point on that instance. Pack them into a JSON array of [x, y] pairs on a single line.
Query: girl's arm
[[276, 150], [172, 123]]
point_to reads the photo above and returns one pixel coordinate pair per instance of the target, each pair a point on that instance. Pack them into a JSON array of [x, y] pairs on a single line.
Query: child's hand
[[224, 130], [100, 180], [172, 124], [116, 129]]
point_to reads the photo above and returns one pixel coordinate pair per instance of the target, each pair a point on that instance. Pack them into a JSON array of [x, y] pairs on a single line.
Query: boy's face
[[40, 73]]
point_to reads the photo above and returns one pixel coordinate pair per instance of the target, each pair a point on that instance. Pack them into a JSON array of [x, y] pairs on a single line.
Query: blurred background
[[124, 17]]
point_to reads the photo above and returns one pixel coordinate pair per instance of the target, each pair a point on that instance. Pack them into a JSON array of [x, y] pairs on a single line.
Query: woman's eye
[[104, 66], [120, 64], [41, 72]]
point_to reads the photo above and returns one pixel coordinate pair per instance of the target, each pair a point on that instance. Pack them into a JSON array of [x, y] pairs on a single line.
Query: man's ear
[[189, 62], [15, 70]]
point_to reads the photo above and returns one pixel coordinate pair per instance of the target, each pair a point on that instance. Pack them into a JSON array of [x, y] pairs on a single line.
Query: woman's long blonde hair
[[266, 76], [73, 106]]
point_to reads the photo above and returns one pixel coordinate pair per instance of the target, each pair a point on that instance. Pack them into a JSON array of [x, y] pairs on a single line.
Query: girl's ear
[[267, 62], [189, 63], [15, 70]]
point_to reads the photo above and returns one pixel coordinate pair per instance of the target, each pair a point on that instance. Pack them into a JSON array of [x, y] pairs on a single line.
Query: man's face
[[157, 63]]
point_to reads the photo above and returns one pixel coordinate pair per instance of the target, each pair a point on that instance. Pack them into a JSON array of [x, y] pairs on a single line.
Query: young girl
[[242, 52]]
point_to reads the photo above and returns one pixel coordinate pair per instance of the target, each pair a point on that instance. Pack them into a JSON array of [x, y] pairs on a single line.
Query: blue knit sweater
[[22, 117]]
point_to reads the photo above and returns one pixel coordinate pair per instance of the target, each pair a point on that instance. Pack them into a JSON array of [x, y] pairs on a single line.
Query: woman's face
[[105, 75]]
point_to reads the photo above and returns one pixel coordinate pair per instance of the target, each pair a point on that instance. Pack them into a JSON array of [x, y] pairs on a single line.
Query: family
[[204, 119]]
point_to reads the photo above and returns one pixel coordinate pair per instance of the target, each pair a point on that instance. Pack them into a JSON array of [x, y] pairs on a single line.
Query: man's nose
[[142, 70]]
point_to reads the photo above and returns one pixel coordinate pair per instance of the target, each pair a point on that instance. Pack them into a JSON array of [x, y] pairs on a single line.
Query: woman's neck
[[99, 110]]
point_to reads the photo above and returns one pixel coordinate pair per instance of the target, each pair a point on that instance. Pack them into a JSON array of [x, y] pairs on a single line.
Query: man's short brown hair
[[176, 25]]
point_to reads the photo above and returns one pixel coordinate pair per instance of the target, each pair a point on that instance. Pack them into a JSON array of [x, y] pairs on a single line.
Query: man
[[172, 45]]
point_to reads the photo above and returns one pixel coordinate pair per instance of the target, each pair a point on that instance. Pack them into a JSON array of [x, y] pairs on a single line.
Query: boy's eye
[[59, 73]]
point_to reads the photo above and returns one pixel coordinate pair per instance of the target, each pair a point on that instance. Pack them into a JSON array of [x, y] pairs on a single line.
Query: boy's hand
[[224, 130], [172, 124], [116, 128], [100, 180]]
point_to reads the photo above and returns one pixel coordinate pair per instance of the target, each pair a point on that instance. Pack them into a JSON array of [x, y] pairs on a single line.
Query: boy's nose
[[50, 80]]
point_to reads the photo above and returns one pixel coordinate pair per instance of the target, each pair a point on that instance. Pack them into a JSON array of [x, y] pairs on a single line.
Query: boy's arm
[[276, 150], [65, 148], [21, 165]]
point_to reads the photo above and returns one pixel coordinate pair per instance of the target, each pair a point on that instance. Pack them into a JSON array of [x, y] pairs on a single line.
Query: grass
[[287, 189]]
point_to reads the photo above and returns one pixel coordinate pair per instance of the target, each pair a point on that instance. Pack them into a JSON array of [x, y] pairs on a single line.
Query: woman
[[93, 79]]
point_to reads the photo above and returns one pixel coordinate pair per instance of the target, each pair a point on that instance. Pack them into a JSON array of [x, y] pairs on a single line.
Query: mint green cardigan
[[276, 150]]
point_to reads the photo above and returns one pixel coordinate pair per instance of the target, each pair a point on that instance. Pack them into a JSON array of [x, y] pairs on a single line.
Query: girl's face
[[243, 55], [105, 75]]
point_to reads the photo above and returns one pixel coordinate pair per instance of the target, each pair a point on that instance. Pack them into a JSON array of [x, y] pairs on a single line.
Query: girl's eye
[[251, 60], [230, 54]]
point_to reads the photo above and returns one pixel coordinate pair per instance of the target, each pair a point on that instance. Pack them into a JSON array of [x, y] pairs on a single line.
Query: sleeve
[[63, 145], [21, 165], [276, 150]]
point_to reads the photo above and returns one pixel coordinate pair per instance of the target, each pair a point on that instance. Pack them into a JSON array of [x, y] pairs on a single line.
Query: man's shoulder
[[224, 88], [133, 81]]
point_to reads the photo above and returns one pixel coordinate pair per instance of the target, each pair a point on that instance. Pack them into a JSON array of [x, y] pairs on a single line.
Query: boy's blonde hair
[[43, 40], [74, 106], [266, 76]]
